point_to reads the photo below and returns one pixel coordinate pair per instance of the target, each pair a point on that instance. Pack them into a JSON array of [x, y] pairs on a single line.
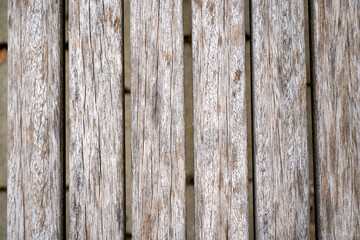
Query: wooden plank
[[335, 37], [220, 133], [36, 156], [96, 126], [158, 125], [281, 155]]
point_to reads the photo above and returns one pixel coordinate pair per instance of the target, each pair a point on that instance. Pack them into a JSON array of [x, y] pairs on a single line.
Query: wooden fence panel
[[220, 133], [335, 36], [36, 159], [158, 124], [96, 126], [280, 127]]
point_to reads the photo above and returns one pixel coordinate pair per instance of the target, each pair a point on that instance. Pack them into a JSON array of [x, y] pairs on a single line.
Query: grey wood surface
[[220, 133], [335, 37], [158, 125], [96, 125], [36, 157], [282, 209]]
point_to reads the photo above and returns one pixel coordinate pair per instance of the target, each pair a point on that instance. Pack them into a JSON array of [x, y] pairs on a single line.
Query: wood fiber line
[[281, 157], [36, 160], [96, 126], [158, 125], [335, 38], [220, 133]]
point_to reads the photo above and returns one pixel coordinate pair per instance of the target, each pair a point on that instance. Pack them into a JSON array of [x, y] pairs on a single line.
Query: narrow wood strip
[[335, 37], [158, 125], [281, 155], [36, 157], [96, 126], [220, 133]]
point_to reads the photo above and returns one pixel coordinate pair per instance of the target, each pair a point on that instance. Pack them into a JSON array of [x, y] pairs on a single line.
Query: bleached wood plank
[[282, 209], [96, 126], [335, 37], [36, 158], [220, 133], [158, 125]]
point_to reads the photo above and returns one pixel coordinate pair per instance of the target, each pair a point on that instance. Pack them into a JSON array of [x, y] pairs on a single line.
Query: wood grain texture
[[220, 133], [36, 157], [335, 37], [282, 209], [158, 125], [96, 125]]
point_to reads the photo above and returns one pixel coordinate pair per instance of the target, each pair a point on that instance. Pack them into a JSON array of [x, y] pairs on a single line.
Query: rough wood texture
[[96, 123], [158, 125], [281, 156], [220, 133], [36, 157], [336, 97]]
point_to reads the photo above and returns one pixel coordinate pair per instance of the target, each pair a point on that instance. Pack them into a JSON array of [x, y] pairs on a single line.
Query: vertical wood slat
[[280, 127], [220, 133], [335, 38], [96, 126], [36, 159], [158, 125]]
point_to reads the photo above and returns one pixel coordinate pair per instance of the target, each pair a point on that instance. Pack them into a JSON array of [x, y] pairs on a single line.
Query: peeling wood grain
[[282, 209], [96, 126], [158, 125], [220, 133], [36, 157], [335, 38]]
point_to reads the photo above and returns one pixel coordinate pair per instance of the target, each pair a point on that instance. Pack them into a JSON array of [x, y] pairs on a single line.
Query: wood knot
[[237, 76]]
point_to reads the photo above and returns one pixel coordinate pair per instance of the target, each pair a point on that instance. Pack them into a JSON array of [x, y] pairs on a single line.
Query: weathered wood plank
[[281, 156], [96, 125], [158, 125], [36, 157], [220, 133], [335, 37]]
